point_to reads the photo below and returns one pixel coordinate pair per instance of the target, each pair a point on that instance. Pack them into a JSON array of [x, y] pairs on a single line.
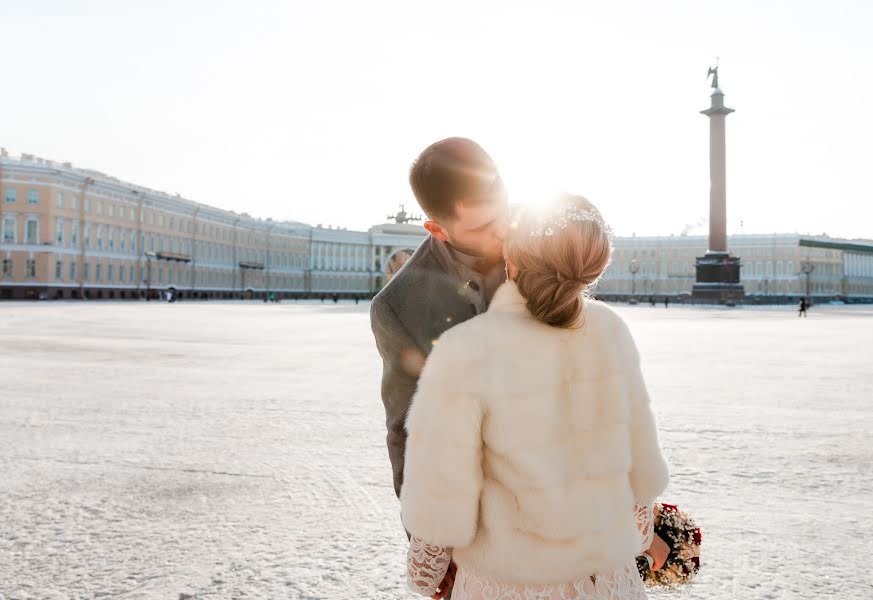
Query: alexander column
[[718, 273]]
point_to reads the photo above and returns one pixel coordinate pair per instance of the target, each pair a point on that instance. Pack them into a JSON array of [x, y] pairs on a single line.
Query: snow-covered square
[[236, 450]]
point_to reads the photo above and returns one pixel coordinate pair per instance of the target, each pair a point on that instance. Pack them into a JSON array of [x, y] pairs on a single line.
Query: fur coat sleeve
[[442, 479], [649, 473]]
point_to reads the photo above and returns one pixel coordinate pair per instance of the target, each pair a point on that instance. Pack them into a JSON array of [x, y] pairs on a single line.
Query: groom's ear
[[436, 230]]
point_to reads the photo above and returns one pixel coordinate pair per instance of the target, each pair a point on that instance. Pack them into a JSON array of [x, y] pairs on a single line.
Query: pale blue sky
[[313, 110]]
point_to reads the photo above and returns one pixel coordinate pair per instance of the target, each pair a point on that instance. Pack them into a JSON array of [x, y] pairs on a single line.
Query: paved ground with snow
[[236, 450]]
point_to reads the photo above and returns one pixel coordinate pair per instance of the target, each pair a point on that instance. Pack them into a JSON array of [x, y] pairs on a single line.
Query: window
[[60, 200], [74, 202], [73, 270], [87, 205], [109, 273], [122, 240], [120, 273], [99, 239], [30, 268], [74, 233], [59, 270], [33, 196], [131, 275], [112, 238], [99, 208], [9, 229], [59, 231], [10, 195], [86, 272], [7, 267], [98, 272], [87, 235], [111, 210], [31, 231]]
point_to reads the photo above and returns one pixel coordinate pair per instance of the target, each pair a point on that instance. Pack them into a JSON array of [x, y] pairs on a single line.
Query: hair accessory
[[568, 213]]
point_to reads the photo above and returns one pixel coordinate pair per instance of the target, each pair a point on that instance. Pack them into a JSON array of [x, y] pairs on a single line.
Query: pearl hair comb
[[568, 213]]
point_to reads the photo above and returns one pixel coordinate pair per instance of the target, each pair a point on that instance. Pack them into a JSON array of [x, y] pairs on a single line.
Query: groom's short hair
[[450, 171]]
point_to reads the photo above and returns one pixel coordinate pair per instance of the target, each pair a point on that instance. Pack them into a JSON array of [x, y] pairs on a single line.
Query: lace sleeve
[[646, 525], [426, 566]]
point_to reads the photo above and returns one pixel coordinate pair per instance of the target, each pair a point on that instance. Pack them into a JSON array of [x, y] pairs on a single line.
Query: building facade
[[773, 267], [74, 233], [67, 233]]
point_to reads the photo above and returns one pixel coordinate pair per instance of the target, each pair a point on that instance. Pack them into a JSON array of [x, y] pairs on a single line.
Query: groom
[[450, 278]]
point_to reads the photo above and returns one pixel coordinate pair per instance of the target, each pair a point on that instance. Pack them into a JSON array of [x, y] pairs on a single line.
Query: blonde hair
[[560, 252]]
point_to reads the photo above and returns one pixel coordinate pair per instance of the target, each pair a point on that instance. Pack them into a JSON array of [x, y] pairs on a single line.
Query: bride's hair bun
[[560, 253]]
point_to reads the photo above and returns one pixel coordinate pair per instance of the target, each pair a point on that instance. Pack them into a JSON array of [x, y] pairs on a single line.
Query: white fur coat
[[529, 445]]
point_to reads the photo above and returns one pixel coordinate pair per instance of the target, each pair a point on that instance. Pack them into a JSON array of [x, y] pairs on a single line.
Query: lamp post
[[269, 259], [149, 256], [807, 267], [634, 268]]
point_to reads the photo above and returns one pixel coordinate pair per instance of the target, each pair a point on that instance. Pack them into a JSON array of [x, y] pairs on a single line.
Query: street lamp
[[634, 268], [149, 256], [807, 267]]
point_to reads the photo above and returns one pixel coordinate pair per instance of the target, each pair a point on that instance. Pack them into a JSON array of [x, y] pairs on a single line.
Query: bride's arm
[[426, 566], [646, 524], [442, 477], [649, 473]]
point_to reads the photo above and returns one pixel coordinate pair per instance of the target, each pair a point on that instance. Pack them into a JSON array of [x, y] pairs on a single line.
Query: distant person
[[666, 302], [803, 307], [652, 300]]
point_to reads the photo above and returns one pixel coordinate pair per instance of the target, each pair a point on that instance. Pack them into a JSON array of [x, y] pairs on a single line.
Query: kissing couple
[[524, 450]]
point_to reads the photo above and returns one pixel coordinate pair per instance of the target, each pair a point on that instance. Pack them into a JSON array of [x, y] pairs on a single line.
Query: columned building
[[67, 233], [775, 267]]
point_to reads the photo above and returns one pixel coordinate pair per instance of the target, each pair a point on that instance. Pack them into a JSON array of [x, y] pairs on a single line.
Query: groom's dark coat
[[431, 293]]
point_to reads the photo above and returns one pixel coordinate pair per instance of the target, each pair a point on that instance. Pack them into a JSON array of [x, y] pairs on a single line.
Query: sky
[[313, 111]]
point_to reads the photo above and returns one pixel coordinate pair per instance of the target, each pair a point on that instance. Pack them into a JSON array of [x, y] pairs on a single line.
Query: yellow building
[[67, 232]]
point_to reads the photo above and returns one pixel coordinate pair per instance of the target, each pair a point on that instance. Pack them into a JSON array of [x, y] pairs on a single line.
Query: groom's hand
[[448, 582]]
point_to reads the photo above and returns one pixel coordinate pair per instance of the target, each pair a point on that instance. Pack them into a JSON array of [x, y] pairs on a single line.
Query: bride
[[532, 457]]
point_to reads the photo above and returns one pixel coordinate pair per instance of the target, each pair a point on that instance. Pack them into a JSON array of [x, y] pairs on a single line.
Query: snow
[[236, 450]]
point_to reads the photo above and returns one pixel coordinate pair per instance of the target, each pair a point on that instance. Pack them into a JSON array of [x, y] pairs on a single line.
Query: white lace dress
[[427, 566]]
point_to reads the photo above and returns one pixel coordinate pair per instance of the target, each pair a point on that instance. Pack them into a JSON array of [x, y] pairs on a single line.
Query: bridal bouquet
[[678, 529]]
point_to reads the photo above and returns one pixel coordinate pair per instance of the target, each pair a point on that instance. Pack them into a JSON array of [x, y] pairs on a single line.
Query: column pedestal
[[718, 279]]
